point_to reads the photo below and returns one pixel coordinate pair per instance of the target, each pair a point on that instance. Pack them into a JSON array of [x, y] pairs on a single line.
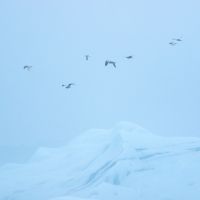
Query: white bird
[[172, 43], [27, 67], [68, 86], [179, 39], [87, 57], [110, 62]]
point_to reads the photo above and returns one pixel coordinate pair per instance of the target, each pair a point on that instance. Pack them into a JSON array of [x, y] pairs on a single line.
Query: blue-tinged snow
[[126, 162]]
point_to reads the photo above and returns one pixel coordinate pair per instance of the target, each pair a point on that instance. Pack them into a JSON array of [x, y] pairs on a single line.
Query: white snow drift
[[123, 163]]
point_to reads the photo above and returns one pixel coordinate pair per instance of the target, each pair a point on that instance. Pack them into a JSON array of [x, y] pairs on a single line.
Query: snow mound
[[125, 162]]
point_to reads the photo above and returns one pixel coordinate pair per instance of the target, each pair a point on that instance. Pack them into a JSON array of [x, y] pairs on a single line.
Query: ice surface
[[126, 162], [68, 198]]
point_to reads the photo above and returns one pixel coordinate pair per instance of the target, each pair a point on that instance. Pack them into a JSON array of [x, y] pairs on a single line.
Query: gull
[[27, 67], [68, 86], [87, 57], [110, 62], [128, 57], [172, 43], [179, 39]]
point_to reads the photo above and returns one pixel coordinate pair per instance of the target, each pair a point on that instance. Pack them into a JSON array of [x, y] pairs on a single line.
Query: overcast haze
[[158, 89]]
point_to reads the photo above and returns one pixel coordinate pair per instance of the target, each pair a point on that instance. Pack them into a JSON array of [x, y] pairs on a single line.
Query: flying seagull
[[128, 57], [110, 62], [178, 39], [27, 67], [87, 57], [68, 86], [172, 43]]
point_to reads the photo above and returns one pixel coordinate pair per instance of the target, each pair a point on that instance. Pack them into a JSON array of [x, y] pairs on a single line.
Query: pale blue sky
[[158, 89]]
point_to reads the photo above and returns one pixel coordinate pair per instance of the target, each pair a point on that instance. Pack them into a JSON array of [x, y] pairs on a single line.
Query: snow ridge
[[123, 162]]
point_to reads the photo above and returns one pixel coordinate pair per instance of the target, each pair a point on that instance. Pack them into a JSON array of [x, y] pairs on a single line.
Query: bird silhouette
[[87, 57], [178, 39], [172, 43], [68, 86], [128, 57], [28, 67], [110, 62]]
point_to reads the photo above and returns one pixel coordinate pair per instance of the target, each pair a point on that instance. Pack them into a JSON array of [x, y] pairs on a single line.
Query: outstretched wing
[[178, 39], [114, 64], [106, 63], [29, 68], [71, 84], [172, 43]]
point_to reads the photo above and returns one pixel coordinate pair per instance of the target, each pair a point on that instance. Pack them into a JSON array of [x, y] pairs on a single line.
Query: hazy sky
[[159, 89]]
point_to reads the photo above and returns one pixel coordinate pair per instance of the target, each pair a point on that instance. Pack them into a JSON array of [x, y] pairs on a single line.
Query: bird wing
[[114, 64], [172, 43], [106, 63], [87, 57], [28, 67], [71, 84]]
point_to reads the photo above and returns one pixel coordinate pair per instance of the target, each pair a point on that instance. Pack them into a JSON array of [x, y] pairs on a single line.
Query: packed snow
[[125, 162]]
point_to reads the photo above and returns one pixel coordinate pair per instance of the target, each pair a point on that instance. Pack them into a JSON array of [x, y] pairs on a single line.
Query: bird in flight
[[110, 62], [87, 57], [178, 39], [28, 67], [68, 86], [172, 43], [128, 57]]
